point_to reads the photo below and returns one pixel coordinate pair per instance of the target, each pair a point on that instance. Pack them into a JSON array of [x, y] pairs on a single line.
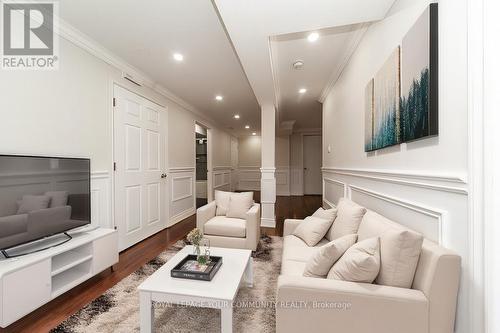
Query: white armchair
[[229, 232]]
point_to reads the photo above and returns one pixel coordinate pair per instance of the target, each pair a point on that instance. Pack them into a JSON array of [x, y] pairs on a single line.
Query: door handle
[[163, 175]]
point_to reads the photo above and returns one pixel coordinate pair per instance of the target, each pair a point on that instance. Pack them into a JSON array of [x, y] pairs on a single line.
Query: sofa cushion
[[31, 203], [400, 249], [327, 214], [222, 202], [320, 263], [373, 225], [312, 230], [225, 226], [239, 204], [349, 215], [292, 267], [57, 198], [399, 253], [360, 263]]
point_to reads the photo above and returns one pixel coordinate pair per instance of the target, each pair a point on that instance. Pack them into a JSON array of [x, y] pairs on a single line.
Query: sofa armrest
[[307, 304], [253, 226], [204, 214], [289, 226]]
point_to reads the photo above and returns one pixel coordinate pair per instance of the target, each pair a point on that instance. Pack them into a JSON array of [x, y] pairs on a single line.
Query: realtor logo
[[29, 39]]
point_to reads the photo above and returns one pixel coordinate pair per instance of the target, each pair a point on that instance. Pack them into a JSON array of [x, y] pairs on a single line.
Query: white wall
[[68, 112], [249, 151], [249, 158], [422, 184]]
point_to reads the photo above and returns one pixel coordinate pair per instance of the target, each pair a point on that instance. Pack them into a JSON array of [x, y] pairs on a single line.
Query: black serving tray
[[186, 269]]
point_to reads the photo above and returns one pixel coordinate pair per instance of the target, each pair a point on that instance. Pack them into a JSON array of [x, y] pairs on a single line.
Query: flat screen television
[[42, 197]]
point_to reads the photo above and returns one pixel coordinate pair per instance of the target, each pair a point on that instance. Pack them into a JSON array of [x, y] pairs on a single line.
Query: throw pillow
[[57, 198], [349, 215], [312, 230], [321, 262], [239, 204], [30, 203], [399, 254], [360, 263], [327, 214], [222, 202]]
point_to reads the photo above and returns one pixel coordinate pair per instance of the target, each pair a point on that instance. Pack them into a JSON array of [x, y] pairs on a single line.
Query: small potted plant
[[195, 237]]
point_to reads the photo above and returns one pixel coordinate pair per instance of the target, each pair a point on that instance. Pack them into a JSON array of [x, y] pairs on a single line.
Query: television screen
[[41, 197]]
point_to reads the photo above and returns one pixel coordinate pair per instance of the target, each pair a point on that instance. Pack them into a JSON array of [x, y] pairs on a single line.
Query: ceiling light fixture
[[254, 133], [313, 36], [178, 57], [219, 98], [302, 90], [236, 116], [247, 126]]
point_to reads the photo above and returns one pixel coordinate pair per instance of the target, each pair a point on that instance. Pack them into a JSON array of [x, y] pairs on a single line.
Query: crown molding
[[349, 51], [85, 42]]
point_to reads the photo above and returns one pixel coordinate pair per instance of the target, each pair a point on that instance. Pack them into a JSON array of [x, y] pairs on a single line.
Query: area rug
[[117, 310]]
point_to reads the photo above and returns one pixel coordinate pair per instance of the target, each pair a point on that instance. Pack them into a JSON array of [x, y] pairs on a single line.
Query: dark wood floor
[[56, 311]]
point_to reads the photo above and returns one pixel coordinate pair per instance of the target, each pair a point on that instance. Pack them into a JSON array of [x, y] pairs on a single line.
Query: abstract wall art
[[401, 101]]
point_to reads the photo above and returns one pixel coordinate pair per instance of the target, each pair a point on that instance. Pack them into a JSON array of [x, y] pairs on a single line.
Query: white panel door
[[312, 164], [140, 149]]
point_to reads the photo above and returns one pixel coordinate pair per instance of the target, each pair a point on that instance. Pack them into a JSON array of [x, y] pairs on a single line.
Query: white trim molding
[[434, 213], [456, 184], [100, 200], [182, 197], [435, 205]]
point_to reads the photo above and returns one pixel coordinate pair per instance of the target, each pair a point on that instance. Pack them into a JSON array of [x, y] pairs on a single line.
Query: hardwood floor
[[56, 311]]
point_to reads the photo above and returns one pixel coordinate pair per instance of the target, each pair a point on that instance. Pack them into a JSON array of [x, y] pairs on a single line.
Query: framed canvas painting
[[385, 108], [419, 78]]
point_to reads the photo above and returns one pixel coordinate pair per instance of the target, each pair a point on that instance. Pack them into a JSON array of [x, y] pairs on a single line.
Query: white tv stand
[[30, 281]]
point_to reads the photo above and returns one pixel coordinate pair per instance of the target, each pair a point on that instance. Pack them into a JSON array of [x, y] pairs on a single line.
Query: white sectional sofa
[[348, 307]]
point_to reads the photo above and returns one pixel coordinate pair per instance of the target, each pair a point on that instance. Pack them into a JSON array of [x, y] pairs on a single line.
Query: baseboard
[[267, 222], [181, 216]]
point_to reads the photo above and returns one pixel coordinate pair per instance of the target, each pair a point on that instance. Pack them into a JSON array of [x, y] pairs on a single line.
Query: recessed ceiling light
[[178, 57], [247, 126], [254, 133], [313, 36], [236, 116], [219, 98], [302, 90]]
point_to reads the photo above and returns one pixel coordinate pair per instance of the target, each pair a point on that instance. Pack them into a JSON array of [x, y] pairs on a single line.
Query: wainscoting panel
[[222, 178], [333, 190], [182, 189], [282, 181], [249, 179], [100, 199], [434, 205]]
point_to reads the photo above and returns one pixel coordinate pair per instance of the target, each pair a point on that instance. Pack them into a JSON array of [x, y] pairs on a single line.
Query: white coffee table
[[219, 293]]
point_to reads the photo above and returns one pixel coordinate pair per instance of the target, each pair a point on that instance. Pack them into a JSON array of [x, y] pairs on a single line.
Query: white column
[[268, 180]]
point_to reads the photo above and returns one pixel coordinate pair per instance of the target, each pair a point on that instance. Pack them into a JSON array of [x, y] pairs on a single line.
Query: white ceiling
[[323, 61], [146, 33], [266, 59], [267, 37]]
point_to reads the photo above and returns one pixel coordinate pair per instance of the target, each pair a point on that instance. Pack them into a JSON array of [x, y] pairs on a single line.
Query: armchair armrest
[[204, 214], [289, 226], [253, 226], [307, 304]]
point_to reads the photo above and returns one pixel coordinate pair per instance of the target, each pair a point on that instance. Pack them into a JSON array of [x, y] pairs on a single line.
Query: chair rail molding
[[222, 178], [435, 205], [449, 183]]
